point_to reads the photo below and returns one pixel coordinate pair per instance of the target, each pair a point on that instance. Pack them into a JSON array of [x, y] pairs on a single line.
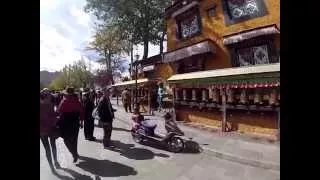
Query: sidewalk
[[223, 145]]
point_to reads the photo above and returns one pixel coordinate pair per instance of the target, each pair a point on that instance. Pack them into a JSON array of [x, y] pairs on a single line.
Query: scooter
[[145, 132]]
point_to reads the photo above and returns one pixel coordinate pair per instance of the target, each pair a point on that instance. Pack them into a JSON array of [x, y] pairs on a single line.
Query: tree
[[76, 75], [141, 21], [110, 45], [126, 78], [41, 86]]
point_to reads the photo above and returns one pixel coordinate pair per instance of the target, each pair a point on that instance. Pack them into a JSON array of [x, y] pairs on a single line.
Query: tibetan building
[[223, 64], [148, 79]]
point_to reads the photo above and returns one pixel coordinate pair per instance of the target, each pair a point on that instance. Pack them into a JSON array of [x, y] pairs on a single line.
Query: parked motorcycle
[[172, 140]]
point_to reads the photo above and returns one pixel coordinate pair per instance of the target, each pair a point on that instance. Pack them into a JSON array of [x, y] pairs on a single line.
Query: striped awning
[[231, 39], [199, 48], [240, 77], [139, 81]]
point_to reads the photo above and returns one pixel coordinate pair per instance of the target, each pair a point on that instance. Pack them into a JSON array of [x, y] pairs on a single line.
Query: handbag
[[95, 114]]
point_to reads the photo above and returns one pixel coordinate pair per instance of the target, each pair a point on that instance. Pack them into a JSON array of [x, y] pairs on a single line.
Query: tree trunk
[[145, 48], [131, 53], [162, 39], [108, 66]]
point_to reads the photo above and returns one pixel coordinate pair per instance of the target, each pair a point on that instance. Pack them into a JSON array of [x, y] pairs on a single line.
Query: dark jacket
[[88, 107], [105, 109]]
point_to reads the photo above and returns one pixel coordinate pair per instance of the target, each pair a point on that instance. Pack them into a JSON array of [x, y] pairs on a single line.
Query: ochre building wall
[[253, 123], [208, 118], [214, 28], [258, 123]]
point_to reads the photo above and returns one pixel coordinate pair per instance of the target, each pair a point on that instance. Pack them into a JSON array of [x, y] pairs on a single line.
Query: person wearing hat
[[88, 104], [126, 100], [106, 115], [48, 121], [71, 119]]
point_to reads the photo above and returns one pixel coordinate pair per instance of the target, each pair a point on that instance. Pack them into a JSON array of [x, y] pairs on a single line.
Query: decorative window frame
[[258, 41], [194, 11], [228, 17]]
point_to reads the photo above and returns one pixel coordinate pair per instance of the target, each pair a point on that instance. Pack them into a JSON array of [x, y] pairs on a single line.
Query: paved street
[[133, 161]]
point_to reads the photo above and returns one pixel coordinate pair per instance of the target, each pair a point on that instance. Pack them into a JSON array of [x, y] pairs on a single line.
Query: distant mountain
[[46, 77]]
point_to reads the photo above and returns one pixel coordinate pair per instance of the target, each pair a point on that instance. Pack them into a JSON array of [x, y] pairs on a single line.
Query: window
[[260, 50], [191, 65], [240, 10], [253, 55], [189, 24]]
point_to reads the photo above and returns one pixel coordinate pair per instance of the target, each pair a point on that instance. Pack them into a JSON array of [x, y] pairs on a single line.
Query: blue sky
[[65, 30]]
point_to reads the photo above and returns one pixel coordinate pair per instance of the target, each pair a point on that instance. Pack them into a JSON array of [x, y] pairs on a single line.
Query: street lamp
[[136, 77]]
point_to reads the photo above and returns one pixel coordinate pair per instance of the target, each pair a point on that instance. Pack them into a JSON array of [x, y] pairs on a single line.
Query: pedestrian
[[98, 96], [160, 96], [106, 115], [126, 100], [93, 96], [71, 119], [48, 122], [88, 104]]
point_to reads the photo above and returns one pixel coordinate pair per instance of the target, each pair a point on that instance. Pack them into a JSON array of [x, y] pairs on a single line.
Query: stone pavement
[[223, 145], [130, 161]]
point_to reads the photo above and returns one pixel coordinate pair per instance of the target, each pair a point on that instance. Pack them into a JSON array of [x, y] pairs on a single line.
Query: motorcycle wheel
[[176, 144], [137, 138]]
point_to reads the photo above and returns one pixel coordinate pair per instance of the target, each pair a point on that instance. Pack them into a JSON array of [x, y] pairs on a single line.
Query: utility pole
[[136, 79]]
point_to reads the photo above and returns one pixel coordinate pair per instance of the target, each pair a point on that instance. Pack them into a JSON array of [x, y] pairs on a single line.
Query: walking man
[[126, 99], [88, 104], [106, 114]]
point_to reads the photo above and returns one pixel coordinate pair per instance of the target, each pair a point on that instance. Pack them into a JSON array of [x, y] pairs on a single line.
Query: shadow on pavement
[[74, 174], [120, 129], [131, 152], [105, 168], [192, 147]]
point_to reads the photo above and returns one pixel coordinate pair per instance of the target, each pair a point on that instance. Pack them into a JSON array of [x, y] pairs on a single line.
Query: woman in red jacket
[[48, 121], [71, 118]]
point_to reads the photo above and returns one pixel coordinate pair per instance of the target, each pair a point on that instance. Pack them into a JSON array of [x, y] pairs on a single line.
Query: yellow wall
[[214, 28], [211, 119], [254, 123], [259, 123]]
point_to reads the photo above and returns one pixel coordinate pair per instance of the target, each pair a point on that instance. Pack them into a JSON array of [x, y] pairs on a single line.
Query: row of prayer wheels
[[141, 92], [257, 96]]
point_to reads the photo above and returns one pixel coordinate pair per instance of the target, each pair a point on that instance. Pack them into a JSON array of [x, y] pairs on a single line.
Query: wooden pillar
[[176, 94], [149, 99], [279, 124], [224, 110], [117, 94]]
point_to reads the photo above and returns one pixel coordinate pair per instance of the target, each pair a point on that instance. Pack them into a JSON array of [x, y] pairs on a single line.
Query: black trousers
[[69, 132], [107, 130], [126, 106], [88, 127], [46, 145]]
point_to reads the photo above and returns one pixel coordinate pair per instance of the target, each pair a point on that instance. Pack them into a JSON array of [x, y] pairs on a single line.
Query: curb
[[241, 160], [234, 158]]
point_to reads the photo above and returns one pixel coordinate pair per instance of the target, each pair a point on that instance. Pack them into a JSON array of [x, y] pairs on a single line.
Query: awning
[[148, 68], [199, 48], [139, 81], [230, 75], [231, 39], [184, 9]]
